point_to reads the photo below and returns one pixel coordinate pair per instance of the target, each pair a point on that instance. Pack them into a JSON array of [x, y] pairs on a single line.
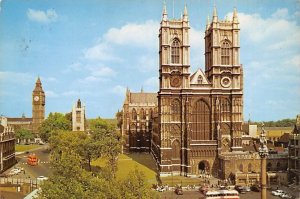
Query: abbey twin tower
[[194, 123]]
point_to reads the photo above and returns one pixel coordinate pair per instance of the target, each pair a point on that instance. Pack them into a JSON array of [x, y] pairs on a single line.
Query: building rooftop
[[143, 98]]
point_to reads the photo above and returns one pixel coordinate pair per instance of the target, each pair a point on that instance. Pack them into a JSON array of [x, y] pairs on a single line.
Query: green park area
[[145, 163], [21, 147], [128, 162]]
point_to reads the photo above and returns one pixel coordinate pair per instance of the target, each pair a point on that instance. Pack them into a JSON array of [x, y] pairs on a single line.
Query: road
[[32, 172], [197, 195]]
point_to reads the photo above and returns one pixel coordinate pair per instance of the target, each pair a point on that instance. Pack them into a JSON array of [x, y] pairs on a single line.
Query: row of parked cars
[[281, 194], [244, 189]]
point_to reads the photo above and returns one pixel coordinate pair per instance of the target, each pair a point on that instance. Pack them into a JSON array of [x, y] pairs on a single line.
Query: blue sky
[[94, 49]]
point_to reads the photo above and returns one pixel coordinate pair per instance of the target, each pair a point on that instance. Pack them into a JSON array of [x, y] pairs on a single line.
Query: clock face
[[175, 81], [225, 82], [36, 98]]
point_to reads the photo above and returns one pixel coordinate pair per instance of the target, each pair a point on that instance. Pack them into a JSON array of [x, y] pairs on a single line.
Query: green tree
[[135, 186], [24, 134], [119, 116], [54, 123]]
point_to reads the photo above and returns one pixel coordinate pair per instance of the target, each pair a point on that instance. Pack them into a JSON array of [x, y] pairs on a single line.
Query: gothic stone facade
[[137, 120], [197, 124], [199, 115]]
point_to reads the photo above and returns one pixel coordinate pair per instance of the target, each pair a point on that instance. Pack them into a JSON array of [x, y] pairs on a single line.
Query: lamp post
[[263, 153]]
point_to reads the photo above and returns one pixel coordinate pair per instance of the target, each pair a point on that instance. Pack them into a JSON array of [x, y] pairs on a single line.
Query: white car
[[14, 171], [41, 178], [285, 195], [277, 192]]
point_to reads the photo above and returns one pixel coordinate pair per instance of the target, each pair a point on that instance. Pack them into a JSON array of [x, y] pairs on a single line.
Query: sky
[[94, 49]]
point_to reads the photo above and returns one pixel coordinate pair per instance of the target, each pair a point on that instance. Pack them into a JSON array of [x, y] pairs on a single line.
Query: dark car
[[255, 188], [178, 191], [240, 189]]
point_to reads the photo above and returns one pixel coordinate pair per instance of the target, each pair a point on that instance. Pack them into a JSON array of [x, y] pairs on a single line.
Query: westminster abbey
[[194, 123]]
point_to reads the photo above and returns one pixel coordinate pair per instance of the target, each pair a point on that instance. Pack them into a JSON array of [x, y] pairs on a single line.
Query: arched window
[[142, 114], [225, 53], [249, 167], [200, 121], [175, 110], [241, 167], [176, 149], [175, 52], [133, 114], [200, 79]]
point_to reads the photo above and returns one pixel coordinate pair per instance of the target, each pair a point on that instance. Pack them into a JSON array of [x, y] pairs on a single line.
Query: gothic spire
[[215, 15], [207, 22], [235, 16], [165, 14], [185, 13]]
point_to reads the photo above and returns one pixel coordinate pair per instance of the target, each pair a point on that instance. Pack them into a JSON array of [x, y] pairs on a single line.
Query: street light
[[263, 153]]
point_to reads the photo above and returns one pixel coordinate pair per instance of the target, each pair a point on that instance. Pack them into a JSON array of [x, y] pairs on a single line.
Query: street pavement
[[194, 194], [32, 172]]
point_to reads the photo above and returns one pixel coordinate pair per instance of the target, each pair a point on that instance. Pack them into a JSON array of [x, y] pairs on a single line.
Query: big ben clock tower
[[38, 106]]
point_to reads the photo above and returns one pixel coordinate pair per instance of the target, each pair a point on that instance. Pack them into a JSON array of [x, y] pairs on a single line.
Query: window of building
[[241, 167], [200, 79], [133, 114], [142, 114], [175, 52], [78, 118], [200, 123], [225, 53], [175, 110], [175, 149], [249, 167]]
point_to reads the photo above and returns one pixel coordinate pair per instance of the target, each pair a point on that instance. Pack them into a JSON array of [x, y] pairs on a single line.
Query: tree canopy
[[22, 134], [55, 122], [71, 151], [278, 123]]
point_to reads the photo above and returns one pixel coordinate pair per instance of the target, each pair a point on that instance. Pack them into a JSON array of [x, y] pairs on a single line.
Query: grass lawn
[[21, 147], [128, 162], [176, 180]]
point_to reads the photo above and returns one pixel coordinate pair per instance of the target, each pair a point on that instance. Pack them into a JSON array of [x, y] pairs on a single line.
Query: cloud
[[120, 90], [103, 72], [42, 16], [101, 51], [51, 94], [272, 31], [15, 77], [151, 84], [141, 35]]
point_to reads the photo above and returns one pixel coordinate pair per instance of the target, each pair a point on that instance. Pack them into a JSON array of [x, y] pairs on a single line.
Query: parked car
[[246, 188], [14, 172], [42, 178], [285, 195], [178, 191], [277, 192], [240, 189], [255, 188]]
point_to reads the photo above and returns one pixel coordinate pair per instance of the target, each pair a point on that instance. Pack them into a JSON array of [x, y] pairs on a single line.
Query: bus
[[32, 160], [222, 194]]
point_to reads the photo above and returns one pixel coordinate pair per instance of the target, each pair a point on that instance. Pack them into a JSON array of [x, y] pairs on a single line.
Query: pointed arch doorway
[[204, 167]]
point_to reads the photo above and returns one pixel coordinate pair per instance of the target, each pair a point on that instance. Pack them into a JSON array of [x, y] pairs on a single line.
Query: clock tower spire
[[38, 106]]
